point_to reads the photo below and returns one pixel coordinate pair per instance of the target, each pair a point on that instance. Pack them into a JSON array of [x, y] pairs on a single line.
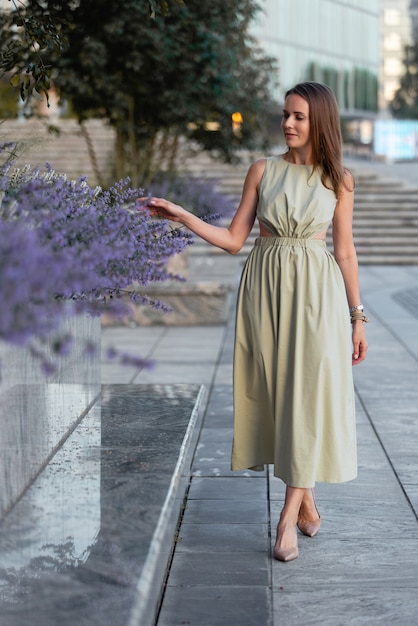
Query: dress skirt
[[293, 386]]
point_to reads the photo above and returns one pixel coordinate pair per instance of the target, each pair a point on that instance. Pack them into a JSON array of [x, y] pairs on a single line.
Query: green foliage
[[185, 70], [405, 101], [32, 28], [27, 32], [8, 103], [160, 6], [157, 79]]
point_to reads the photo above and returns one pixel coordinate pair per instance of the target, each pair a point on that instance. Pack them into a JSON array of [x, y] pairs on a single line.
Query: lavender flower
[[68, 248]]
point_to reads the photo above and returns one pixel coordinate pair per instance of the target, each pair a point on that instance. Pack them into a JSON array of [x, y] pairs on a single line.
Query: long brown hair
[[325, 133]]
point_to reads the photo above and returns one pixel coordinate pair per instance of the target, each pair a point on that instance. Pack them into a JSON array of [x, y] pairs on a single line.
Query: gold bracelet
[[358, 315]]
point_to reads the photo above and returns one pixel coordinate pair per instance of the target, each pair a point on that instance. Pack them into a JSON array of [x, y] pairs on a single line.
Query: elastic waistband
[[290, 241]]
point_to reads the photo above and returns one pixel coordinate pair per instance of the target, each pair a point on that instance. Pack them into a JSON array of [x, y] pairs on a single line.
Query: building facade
[[396, 33], [332, 41]]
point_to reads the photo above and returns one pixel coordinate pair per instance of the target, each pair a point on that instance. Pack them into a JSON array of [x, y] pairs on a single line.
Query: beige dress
[[293, 386]]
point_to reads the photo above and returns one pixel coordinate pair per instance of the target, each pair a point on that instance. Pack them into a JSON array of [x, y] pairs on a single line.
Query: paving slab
[[209, 569], [225, 488], [216, 606], [228, 511], [330, 606], [224, 537]]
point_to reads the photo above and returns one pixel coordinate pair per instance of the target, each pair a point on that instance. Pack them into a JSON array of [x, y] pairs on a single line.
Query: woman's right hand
[[164, 208]]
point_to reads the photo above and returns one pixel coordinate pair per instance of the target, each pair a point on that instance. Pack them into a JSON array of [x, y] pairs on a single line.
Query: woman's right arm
[[232, 238]]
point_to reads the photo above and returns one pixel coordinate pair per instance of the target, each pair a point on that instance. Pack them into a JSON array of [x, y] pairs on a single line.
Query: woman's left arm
[[346, 257]]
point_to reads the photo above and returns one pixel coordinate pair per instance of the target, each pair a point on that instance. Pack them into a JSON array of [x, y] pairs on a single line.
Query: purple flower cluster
[[67, 248]]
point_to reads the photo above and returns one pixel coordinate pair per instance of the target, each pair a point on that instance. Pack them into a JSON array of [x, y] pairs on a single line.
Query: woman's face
[[295, 122]]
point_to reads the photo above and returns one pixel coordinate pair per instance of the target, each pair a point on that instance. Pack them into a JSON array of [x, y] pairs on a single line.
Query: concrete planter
[[37, 414]]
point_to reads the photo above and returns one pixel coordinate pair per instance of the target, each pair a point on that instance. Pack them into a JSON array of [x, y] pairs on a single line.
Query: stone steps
[[363, 228], [386, 209], [65, 147], [367, 255], [385, 223]]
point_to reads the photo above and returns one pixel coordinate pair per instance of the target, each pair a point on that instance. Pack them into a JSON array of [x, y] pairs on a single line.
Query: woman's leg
[[309, 520], [308, 510], [286, 548]]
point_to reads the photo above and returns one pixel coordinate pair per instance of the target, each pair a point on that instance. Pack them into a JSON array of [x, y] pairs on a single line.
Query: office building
[[333, 41]]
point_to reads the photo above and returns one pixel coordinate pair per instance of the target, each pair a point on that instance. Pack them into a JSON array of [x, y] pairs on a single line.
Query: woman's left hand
[[359, 343]]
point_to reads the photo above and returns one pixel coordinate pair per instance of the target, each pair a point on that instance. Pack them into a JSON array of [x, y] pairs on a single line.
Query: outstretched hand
[[160, 207]]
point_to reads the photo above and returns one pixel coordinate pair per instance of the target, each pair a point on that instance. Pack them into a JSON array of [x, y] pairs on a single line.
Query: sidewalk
[[362, 568]]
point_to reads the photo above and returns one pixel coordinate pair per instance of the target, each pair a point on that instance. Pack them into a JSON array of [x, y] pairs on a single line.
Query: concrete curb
[[151, 583]]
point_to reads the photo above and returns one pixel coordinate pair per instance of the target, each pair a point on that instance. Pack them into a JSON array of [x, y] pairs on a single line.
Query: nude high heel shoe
[[285, 554], [307, 527]]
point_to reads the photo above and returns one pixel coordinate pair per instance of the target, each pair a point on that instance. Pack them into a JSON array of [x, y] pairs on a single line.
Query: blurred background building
[[396, 33], [326, 40], [355, 47]]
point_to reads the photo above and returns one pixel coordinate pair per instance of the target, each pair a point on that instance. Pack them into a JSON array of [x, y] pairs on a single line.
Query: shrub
[[68, 248]]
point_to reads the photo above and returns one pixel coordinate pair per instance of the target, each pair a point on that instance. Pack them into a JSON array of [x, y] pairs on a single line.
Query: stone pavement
[[362, 568]]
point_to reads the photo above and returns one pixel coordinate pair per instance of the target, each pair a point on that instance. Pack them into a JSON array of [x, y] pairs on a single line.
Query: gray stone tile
[[224, 373], [192, 354], [348, 521], [214, 459], [342, 606], [210, 569], [400, 401], [126, 338], [369, 449], [361, 418], [198, 343], [220, 392], [406, 469], [236, 488], [365, 433], [381, 561], [212, 468], [225, 511], [362, 491], [112, 373], [379, 477], [176, 372], [224, 537], [401, 435], [412, 495], [216, 606], [220, 409], [215, 434], [222, 449]]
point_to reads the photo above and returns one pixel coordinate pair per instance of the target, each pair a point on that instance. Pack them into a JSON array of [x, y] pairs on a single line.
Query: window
[[389, 89], [393, 67], [392, 17], [392, 41]]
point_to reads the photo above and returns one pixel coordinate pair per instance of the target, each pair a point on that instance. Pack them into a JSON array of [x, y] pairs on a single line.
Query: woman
[[293, 388]]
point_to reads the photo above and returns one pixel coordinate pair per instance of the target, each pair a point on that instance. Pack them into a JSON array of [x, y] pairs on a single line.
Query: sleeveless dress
[[293, 385]]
